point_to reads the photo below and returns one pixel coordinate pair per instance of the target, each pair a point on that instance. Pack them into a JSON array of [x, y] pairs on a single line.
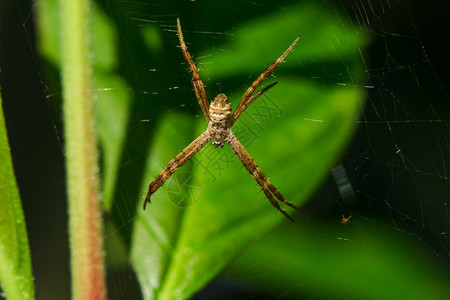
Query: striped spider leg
[[220, 120]]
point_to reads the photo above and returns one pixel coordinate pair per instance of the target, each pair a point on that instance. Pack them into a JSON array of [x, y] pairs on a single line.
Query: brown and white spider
[[220, 120]]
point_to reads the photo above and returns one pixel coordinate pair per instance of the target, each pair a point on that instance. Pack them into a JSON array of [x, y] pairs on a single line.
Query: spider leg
[[251, 166], [251, 99], [246, 100], [177, 162], [196, 82]]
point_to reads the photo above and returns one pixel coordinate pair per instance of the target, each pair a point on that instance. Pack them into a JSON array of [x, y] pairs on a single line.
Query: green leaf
[[156, 230], [358, 261], [294, 133], [113, 104], [16, 279]]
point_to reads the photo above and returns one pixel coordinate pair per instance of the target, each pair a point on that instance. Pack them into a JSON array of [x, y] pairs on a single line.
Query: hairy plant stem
[[85, 225]]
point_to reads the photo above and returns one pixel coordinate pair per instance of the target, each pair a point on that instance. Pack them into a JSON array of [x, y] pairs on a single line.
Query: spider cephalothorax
[[220, 120], [218, 126]]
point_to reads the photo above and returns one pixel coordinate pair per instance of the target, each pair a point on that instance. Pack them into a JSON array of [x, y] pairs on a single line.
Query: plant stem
[[85, 227]]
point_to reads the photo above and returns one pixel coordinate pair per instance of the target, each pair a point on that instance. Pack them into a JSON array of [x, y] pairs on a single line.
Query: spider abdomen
[[219, 112], [219, 109]]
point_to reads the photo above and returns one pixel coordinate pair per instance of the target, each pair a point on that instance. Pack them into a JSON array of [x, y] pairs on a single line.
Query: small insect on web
[[345, 220], [220, 120]]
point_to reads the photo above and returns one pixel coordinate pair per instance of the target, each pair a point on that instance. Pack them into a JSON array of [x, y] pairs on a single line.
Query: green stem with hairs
[[85, 225]]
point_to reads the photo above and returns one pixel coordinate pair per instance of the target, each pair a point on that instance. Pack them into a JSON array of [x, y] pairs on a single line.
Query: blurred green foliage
[[147, 113]]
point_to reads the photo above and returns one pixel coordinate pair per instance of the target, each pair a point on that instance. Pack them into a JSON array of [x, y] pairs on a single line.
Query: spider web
[[394, 172]]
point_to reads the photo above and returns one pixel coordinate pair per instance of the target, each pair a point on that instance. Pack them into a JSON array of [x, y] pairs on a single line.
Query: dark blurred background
[[408, 62]]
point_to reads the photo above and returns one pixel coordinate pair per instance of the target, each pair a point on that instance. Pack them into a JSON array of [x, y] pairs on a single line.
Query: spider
[[345, 220], [220, 120]]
